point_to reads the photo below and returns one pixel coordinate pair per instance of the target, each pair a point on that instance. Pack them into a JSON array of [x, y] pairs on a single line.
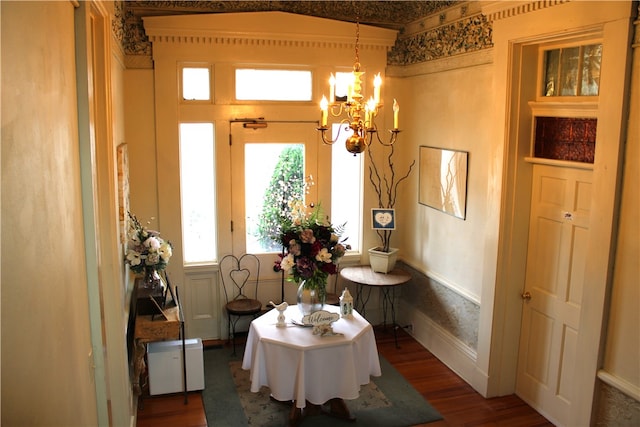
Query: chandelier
[[360, 114]]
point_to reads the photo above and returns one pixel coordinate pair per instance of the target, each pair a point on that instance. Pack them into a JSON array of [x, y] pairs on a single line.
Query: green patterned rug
[[387, 401]]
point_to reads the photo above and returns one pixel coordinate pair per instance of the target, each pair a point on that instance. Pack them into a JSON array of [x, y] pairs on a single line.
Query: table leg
[[388, 300], [338, 409], [138, 365], [362, 299]]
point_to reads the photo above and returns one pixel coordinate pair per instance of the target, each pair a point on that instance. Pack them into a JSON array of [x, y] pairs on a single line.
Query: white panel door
[[558, 234]]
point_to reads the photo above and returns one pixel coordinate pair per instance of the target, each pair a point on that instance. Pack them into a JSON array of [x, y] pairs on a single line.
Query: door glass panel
[[274, 177]]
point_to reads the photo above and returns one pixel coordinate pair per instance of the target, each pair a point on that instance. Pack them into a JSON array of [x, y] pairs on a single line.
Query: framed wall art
[[123, 192], [443, 180], [383, 219]]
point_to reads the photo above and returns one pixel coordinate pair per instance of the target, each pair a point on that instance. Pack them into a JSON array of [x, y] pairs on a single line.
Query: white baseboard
[[459, 357]]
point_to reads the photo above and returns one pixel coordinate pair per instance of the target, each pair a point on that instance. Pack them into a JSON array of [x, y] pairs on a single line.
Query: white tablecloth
[[297, 365]]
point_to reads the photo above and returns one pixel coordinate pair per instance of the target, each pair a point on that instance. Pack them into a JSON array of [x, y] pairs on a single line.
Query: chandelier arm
[[333, 110], [323, 132], [392, 139]]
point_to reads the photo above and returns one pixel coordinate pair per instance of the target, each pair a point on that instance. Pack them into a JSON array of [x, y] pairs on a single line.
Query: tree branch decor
[[384, 182]]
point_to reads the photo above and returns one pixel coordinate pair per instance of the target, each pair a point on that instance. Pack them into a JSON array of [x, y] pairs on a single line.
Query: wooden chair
[[240, 278]]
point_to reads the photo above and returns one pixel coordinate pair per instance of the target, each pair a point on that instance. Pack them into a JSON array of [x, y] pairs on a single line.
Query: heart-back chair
[[240, 278]]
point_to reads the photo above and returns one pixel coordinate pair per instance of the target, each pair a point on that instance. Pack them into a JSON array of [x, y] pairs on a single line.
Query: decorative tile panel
[[565, 138], [450, 310], [616, 408]]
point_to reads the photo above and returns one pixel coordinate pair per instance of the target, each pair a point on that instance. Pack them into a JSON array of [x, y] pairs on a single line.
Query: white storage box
[[165, 366]]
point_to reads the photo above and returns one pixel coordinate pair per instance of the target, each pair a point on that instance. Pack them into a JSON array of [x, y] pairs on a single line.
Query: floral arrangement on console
[[146, 250], [312, 245]]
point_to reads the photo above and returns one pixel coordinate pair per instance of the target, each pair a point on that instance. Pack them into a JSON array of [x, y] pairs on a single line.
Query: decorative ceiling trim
[[463, 36], [286, 42], [265, 29], [498, 10]]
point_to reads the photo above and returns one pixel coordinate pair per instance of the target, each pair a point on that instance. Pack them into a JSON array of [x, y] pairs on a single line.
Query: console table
[[367, 279], [154, 327]]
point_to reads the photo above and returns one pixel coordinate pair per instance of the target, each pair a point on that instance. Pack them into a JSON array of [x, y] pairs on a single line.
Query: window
[[346, 189], [572, 71], [273, 85], [197, 185], [343, 81], [195, 84]]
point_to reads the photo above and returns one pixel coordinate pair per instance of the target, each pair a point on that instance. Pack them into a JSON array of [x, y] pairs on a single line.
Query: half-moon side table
[[364, 276]]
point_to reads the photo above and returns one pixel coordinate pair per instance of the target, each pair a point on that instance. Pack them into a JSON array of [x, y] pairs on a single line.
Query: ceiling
[[387, 13]]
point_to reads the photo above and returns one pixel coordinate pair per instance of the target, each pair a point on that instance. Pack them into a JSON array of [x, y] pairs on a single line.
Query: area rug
[[387, 401]]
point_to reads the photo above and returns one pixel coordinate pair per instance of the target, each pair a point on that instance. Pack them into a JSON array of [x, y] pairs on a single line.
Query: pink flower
[[306, 236]]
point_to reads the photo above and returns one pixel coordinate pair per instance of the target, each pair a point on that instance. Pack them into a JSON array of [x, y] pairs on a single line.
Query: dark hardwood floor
[[456, 401]]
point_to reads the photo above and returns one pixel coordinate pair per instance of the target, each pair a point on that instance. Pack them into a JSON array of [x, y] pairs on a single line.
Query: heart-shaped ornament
[[383, 218]]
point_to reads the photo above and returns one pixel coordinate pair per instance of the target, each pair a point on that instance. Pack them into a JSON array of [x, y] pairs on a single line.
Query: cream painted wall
[[139, 111], [432, 241], [46, 371]]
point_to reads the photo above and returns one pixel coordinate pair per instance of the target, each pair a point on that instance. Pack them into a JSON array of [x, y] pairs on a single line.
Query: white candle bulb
[[396, 108], [371, 108], [377, 82], [324, 106]]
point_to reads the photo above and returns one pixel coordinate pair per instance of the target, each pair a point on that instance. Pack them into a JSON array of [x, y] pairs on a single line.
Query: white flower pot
[[383, 262]]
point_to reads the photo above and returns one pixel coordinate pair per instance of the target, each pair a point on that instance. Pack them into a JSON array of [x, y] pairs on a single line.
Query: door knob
[[526, 296]]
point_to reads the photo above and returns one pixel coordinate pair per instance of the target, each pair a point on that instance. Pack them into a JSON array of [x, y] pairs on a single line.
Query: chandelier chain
[[358, 41]]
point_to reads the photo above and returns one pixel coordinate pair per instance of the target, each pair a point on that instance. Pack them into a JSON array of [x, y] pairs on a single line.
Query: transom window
[[273, 85], [572, 71], [195, 84]]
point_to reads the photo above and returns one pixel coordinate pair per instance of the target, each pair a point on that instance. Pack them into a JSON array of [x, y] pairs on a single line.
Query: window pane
[[552, 61], [197, 186], [569, 59], [273, 85], [274, 176], [592, 58], [195, 84], [343, 80], [346, 189]]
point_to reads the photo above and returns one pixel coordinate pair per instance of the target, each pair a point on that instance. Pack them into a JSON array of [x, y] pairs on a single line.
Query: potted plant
[[385, 183]]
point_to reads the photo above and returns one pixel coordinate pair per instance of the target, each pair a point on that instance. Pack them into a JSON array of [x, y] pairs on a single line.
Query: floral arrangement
[[313, 247], [146, 250]]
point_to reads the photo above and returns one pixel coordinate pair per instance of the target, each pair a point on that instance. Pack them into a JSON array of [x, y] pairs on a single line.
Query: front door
[[261, 162], [558, 235]]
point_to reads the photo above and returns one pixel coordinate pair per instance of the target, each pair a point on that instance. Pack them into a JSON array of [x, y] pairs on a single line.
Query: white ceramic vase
[[383, 262]]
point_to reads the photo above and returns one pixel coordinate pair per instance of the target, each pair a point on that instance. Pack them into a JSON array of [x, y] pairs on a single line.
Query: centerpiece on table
[[312, 250], [147, 252]]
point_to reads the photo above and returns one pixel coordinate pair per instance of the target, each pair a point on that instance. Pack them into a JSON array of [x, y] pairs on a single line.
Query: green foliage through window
[[287, 185]]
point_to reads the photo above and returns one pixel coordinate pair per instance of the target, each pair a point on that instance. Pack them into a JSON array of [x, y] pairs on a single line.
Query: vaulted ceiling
[[387, 13]]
